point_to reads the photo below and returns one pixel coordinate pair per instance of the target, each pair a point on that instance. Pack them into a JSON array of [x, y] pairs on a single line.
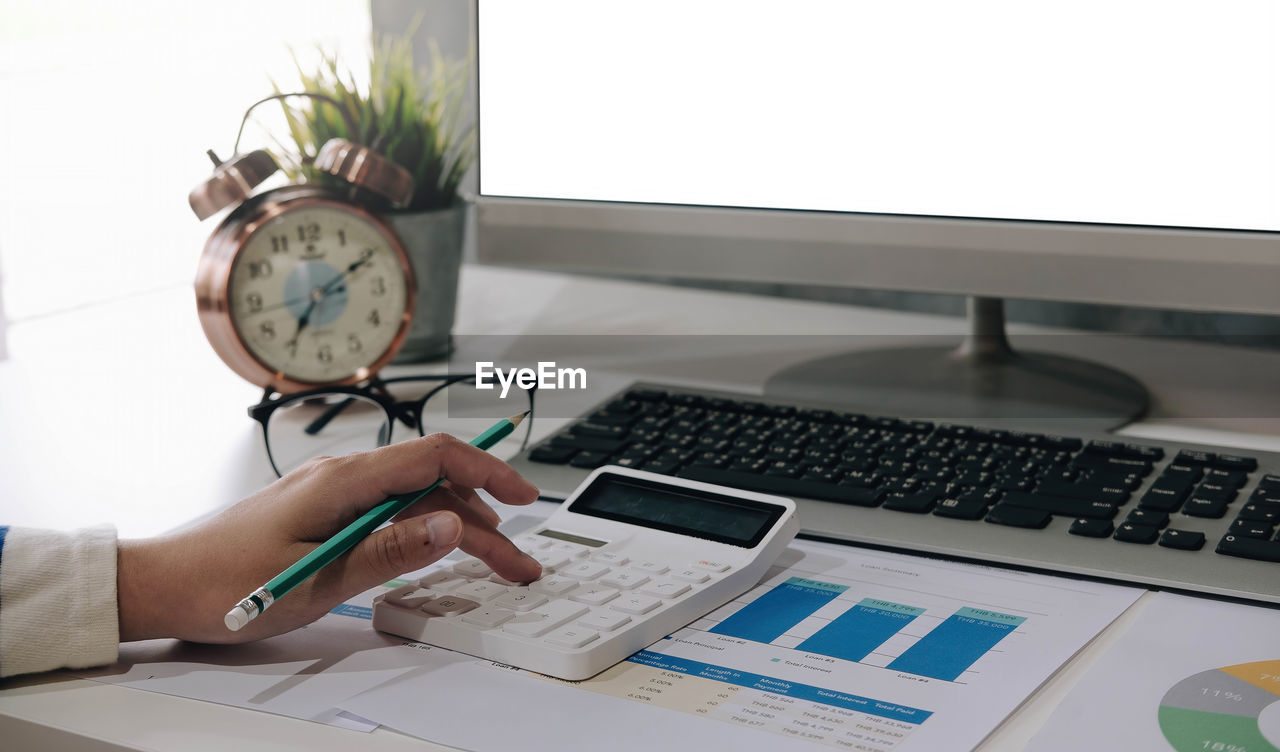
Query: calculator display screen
[[724, 519]]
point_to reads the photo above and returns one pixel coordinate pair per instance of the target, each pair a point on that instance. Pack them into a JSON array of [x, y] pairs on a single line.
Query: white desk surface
[[121, 413]]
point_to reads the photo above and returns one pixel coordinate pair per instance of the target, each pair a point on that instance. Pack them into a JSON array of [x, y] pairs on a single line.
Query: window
[[107, 111]]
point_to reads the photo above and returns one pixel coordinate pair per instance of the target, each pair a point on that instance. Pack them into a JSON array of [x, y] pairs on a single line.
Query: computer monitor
[[1098, 151]]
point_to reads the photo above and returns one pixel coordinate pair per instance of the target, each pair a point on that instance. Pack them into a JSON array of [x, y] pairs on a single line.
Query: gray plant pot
[[433, 239]]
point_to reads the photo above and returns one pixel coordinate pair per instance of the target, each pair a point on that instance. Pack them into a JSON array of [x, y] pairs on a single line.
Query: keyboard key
[[1110, 494], [1185, 540], [1060, 505], [917, 503], [472, 568], [1131, 533], [520, 599], [612, 558], [588, 443], [488, 617], [625, 579], [1209, 490], [1232, 478], [411, 597], [1268, 513], [1201, 507], [1193, 457], [481, 591], [553, 585], [584, 570], [633, 603], [1165, 495], [1236, 462], [1249, 548], [589, 460], [553, 455], [605, 621], [782, 486], [1092, 528], [543, 619], [572, 637], [665, 589], [449, 605], [1252, 529], [444, 580], [1004, 514], [963, 509], [1186, 473], [594, 595], [1148, 517], [695, 575]]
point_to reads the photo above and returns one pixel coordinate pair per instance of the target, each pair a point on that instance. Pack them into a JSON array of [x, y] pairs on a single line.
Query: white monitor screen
[[1145, 112]]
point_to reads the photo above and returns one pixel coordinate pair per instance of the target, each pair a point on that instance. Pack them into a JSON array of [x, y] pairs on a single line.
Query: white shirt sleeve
[[57, 599]]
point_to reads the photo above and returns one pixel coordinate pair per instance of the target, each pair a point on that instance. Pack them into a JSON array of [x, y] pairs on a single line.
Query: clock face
[[317, 293]]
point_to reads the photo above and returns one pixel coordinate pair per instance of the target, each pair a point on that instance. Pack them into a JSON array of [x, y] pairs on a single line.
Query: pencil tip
[[518, 419]]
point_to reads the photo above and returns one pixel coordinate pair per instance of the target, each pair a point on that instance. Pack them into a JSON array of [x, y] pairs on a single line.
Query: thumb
[[402, 547]]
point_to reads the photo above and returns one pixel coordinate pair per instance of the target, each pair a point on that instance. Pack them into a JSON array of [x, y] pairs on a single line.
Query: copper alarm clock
[[299, 286]]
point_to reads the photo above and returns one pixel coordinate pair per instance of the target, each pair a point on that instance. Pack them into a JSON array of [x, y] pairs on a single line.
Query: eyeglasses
[[341, 420]]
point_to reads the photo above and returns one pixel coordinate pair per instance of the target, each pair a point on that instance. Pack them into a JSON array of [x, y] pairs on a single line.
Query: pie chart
[[1229, 709]]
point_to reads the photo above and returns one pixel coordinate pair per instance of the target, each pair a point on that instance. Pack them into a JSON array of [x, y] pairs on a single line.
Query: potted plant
[[415, 118]]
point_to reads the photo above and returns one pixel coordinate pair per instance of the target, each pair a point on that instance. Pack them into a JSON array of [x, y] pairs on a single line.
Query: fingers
[[366, 478], [466, 496], [481, 537], [403, 547]]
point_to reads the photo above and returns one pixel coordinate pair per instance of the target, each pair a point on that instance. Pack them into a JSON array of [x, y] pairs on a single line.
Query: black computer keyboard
[[1177, 516]]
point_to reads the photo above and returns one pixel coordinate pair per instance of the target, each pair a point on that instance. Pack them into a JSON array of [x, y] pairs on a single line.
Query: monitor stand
[[983, 380]]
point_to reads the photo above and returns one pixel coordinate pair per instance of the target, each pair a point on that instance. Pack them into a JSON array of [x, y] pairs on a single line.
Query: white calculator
[[629, 558]]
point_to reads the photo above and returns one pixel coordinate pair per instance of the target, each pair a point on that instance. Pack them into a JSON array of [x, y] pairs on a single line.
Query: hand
[[182, 584]]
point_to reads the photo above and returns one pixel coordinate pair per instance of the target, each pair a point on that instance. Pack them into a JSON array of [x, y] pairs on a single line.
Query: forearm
[[57, 599]]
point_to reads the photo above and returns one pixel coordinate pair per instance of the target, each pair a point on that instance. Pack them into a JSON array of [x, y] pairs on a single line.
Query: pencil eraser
[[235, 619]]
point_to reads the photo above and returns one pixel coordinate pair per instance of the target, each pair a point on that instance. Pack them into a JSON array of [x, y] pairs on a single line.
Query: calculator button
[[522, 599], [444, 580], [553, 585], [653, 567], [488, 617], [543, 619], [610, 557], [711, 566], [594, 595], [449, 605], [605, 621], [626, 579], [531, 543], [585, 570], [472, 568], [571, 636], [636, 604], [499, 579], [695, 576], [409, 596], [551, 560], [480, 591], [665, 588], [570, 550]]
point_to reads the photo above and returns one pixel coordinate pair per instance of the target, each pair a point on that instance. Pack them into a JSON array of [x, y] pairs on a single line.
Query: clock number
[[353, 344], [268, 330], [259, 269], [308, 233], [254, 301], [374, 318], [279, 244], [342, 237], [293, 347], [379, 287], [325, 354], [365, 255]]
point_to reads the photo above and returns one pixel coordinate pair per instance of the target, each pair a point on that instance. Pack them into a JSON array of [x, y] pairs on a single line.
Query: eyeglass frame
[[408, 412]]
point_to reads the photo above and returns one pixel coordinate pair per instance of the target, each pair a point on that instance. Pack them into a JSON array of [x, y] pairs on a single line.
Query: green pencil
[[262, 598]]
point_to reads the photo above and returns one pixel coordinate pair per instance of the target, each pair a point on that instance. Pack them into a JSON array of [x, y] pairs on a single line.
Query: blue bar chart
[[953, 646], [860, 630], [944, 652], [766, 618]]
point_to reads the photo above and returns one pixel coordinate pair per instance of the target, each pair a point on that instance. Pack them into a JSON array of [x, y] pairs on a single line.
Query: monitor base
[[983, 380]]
